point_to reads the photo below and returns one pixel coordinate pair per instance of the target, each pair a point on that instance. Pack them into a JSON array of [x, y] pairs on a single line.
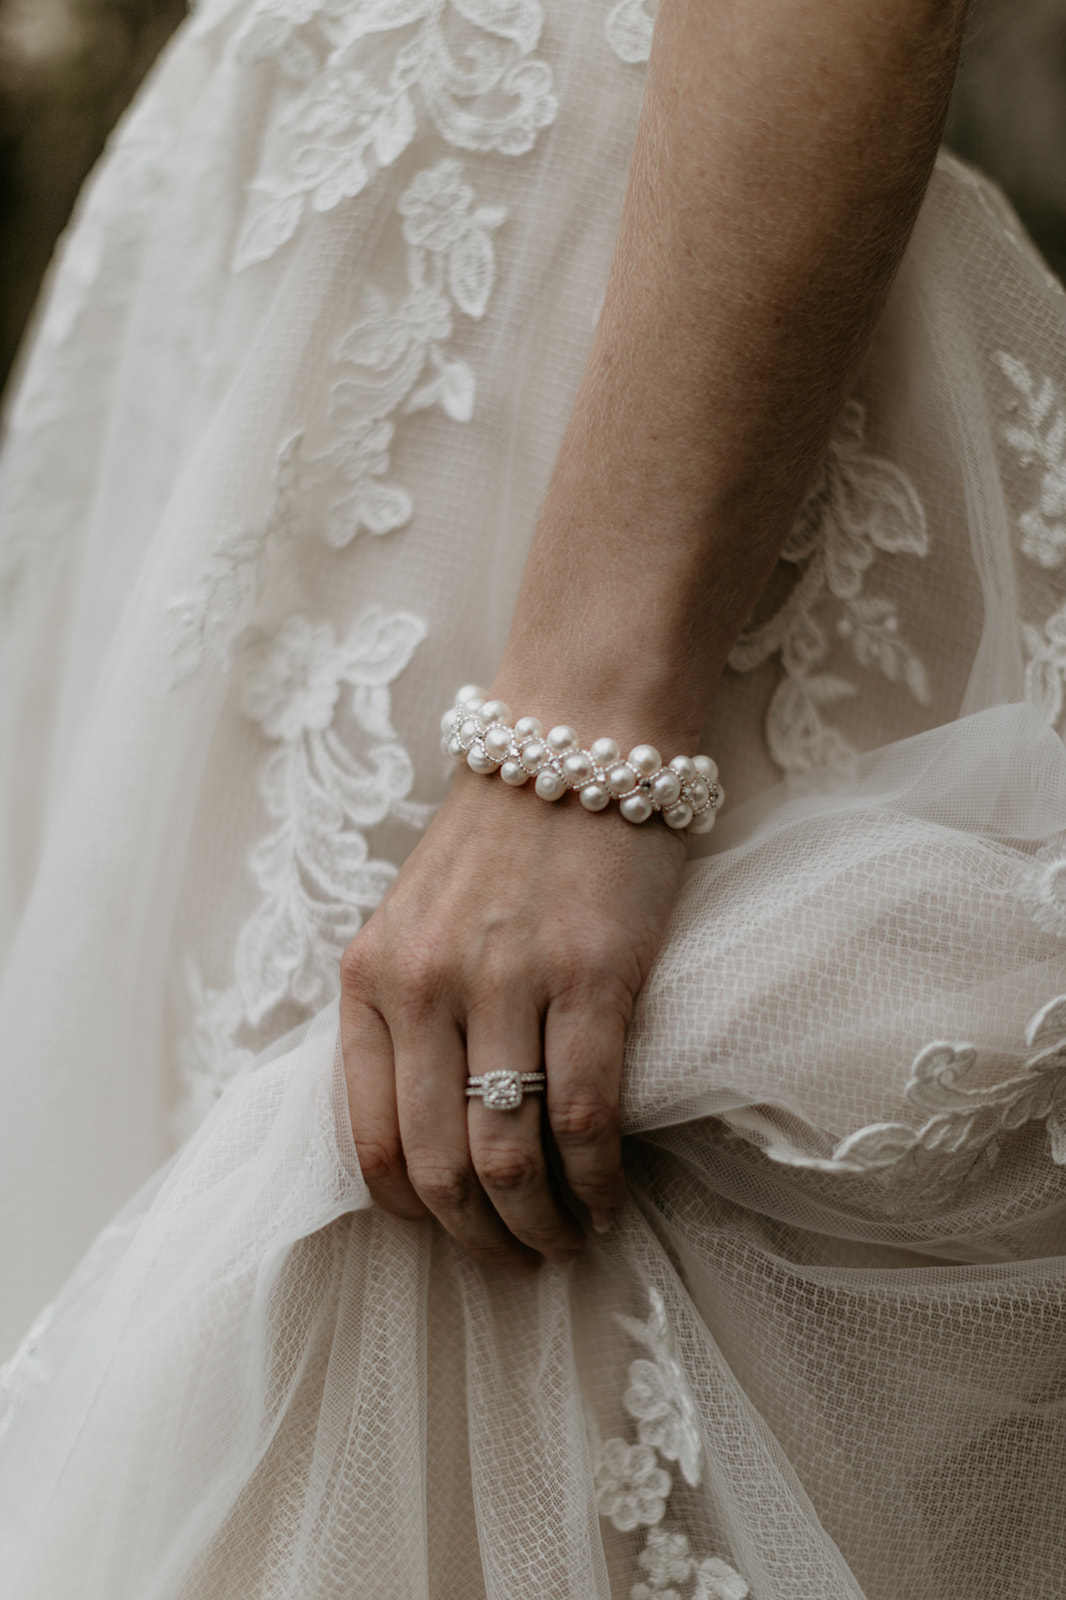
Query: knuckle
[[584, 1119], [355, 967], [380, 1160], [508, 1168], [443, 1186]]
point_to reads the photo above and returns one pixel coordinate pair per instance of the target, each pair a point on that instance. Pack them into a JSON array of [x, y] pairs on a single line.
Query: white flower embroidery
[[1041, 887], [658, 1397], [1038, 435], [357, 77], [861, 506], [314, 868], [631, 1487], [392, 361], [963, 1132], [628, 29]]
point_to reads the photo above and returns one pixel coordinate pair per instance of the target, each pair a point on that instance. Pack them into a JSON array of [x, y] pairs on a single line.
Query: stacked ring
[[504, 1090]]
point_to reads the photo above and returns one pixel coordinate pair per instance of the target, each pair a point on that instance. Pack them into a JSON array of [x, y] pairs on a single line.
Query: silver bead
[[468, 732], [496, 711], [717, 795], [577, 768], [685, 768], [644, 759], [636, 808], [528, 728], [604, 752], [593, 797], [678, 816], [703, 822], [469, 692], [697, 793], [666, 787], [497, 741], [621, 779], [549, 785], [706, 768], [478, 761], [533, 755], [561, 738], [514, 774]]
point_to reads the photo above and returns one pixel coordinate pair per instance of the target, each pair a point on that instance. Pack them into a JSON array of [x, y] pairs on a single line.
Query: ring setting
[[504, 1090]]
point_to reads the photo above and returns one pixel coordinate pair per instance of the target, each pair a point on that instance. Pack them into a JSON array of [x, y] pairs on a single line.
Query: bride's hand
[[516, 936]]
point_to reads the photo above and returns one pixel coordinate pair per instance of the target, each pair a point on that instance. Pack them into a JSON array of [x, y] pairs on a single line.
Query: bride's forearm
[[781, 155]]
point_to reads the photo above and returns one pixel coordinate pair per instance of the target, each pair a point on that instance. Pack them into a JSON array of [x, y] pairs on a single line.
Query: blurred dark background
[[69, 67]]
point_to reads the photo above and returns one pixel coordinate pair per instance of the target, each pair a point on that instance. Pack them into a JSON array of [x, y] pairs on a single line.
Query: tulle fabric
[[250, 544]]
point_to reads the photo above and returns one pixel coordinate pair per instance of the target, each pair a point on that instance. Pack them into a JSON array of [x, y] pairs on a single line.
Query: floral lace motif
[[632, 1486], [314, 867], [354, 78], [392, 361], [861, 506], [965, 1125], [1037, 433], [628, 29], [1041, 887]]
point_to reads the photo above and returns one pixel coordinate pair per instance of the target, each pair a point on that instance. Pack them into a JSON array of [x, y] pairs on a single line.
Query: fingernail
[[602, 1220]]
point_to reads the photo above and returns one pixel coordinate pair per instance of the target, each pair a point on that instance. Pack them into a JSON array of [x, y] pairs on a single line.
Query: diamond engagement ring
[[504, 1091]]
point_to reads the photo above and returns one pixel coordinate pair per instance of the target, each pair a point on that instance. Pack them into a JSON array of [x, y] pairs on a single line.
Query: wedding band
[[504, 1091]]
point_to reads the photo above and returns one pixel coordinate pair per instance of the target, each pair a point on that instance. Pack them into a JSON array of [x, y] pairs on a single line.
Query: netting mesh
[[821, 1349]]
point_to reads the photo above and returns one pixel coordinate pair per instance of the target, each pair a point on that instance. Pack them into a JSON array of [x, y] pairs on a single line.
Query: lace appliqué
[[861, 506], [393, 361], [966, 1119], [1037, 434], [1041, 887], [629, 29], [314, 869], [632, 1485], [354, 78]]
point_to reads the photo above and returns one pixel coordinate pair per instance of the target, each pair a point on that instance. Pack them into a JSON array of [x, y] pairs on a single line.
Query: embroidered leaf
[[266, 229], [472, 271]]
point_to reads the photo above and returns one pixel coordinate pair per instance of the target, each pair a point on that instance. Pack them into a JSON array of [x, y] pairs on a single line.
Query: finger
[[431, 1074], [507, 1147], [370, 1076], [583, 1062]]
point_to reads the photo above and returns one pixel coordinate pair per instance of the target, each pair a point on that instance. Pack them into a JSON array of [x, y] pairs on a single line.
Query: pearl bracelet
[[481, 733]]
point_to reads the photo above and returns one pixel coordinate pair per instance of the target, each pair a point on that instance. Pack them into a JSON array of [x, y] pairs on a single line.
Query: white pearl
[[594, 798], [498, 741], [666, 787], [561, 738], [604, 752], [684, 767], [455, 749], [469, 692], [636, 808], [706, 768], [468, 732], [697, 793], [446, 723], [514, 774], [533, 755], [528, 728], [478, 761], [577, 768], [549, 785], [621, 779], [644, 759], [702, 823], [678, 816], [496, 711]]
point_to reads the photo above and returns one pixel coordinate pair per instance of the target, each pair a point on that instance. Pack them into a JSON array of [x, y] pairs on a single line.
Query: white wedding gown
[[272, 463]]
